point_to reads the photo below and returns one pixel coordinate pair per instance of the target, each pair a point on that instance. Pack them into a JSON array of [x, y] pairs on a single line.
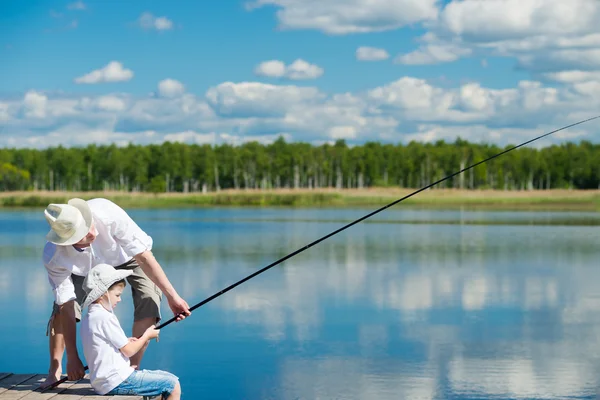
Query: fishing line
[[260, 271]]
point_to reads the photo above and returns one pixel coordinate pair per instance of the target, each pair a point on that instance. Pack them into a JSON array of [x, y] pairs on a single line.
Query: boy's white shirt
[[119, 240], [102, 337]]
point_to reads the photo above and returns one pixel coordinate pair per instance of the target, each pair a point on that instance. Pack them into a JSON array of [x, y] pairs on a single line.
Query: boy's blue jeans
[[147, 383]]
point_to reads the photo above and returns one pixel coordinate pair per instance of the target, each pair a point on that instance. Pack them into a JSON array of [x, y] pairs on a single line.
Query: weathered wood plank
[[13, 380], [81, 389], [49, 394], [22, 389], [26, 387]]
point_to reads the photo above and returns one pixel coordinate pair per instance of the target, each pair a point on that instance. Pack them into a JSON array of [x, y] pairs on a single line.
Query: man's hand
[[179, 306], [75, 369]]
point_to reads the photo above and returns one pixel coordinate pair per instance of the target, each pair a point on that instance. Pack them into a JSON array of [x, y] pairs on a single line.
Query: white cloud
[[271, 68], [342, 132], [149, 21], [349, 16], [111, 103], [510, 19], [573, 76], [112, 72], [191, 137], [545, 36], [253, 99], [35, 104], [433, 54], [365, 53], [405, 109], [297, 70], [170, 88]]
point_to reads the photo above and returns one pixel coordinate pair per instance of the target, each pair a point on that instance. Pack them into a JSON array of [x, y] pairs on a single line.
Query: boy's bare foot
[[53, 376]]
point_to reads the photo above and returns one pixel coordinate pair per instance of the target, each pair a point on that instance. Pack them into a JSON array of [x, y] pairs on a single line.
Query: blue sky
[[451, 67]]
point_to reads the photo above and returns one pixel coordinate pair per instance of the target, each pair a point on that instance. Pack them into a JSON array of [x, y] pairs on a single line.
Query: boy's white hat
[[69, 222], [99, 279]]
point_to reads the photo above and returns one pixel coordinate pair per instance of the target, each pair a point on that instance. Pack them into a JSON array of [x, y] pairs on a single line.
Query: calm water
[[412, 305]]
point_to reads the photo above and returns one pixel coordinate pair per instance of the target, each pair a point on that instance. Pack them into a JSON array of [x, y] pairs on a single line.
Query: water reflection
[[382, 311]]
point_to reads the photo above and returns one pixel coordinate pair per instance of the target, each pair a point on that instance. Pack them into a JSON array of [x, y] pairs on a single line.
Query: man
[[84, 234]]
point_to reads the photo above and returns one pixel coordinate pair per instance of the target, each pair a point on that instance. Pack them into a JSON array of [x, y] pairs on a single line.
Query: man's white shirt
[[119, 239]]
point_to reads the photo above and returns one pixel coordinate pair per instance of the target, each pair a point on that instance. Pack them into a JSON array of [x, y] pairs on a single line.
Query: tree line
[[179, 167]]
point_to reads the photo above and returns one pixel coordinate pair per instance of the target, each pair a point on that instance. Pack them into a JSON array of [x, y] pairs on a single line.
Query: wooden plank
[[81, 389], [50, 394], [22, 389], [26, 387], [13, 380]]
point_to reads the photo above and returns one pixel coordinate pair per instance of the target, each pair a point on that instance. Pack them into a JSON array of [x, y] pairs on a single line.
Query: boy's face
[[114, 294]]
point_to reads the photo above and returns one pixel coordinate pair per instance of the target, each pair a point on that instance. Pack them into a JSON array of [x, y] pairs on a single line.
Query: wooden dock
[[24, 387]]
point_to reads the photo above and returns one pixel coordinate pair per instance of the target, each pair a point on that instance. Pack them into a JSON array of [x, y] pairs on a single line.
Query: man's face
[[88, 239]]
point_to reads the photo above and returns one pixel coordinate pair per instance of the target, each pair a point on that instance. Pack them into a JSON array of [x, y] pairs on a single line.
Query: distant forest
[[178, 167]]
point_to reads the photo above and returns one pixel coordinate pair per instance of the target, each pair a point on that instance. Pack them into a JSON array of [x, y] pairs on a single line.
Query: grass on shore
[[566, 200]]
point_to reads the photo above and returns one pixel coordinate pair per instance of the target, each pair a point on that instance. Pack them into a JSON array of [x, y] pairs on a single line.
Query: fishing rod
[[260, 271]]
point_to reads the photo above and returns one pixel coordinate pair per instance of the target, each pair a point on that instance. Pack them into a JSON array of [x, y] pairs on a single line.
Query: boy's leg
[[150, 384], [54, 331], [146, 301]]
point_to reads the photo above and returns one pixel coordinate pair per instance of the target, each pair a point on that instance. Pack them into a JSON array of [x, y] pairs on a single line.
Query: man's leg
[[146, 301]]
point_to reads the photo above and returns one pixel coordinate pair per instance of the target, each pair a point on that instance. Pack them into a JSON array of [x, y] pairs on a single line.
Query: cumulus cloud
[[349, 16], [405, 109], [112, 72], [170, 88], [545, 36], [433, 54], [527, 18], [149, 21], [34, 104], [111, 103], [366, 53], [297, 70]]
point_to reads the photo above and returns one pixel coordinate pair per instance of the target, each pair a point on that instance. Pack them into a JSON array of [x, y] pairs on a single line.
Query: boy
[[106, 347]]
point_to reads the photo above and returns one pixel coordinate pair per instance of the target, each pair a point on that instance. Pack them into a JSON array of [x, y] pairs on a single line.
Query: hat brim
[[81, 230], [99, 291]]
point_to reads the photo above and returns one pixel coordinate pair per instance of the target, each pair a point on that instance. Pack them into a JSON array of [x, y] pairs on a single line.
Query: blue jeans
[[147, 383]]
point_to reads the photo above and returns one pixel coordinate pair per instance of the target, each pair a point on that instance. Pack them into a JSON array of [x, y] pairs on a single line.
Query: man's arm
[[152, 268], [75, 369], [137, 244], [69, 327]]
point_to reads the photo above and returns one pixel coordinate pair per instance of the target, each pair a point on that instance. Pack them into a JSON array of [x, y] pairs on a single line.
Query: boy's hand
[[133, 339], [152, 333]]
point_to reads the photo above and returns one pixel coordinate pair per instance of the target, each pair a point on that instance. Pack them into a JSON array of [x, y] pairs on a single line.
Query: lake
[[410, 304]]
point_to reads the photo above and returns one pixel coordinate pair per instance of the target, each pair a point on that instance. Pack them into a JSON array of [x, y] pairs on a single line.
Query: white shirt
[[119, 239], [102, 337]]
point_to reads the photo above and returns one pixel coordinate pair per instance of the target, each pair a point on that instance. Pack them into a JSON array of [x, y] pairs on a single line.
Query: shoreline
[[543, 200]]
